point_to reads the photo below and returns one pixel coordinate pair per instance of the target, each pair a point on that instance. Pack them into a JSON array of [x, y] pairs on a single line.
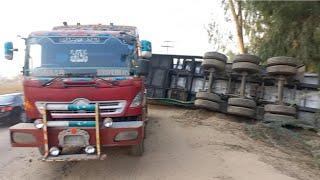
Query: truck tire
[[145, 129], [242, 102], [41, 150], [18, 115], [201, 103], [280, 109], [281, 70], [282, 60], [241, 111], [208, 96], [215, 55], [277, 117], [23, 118], [213, 63], [137, 150], [245, 67], [247, 58]]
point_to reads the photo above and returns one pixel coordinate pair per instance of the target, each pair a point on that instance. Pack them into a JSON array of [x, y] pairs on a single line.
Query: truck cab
[[84, 91]]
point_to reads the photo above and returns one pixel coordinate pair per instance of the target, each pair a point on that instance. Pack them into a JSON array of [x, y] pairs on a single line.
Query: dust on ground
[[292, 150]]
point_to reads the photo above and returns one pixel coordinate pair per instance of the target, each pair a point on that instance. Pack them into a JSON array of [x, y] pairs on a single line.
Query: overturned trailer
[[177, 79]]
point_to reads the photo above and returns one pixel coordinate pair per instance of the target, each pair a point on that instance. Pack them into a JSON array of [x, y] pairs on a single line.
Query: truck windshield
[[101, 56]]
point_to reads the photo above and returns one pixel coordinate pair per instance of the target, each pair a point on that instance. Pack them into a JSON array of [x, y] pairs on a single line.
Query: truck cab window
[[35, 51]]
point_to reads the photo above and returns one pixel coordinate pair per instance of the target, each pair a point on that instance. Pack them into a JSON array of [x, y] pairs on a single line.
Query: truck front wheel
[[41, 150], [138, 149]]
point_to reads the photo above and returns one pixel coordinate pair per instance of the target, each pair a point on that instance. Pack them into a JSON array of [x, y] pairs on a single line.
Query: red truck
[[84, 91]]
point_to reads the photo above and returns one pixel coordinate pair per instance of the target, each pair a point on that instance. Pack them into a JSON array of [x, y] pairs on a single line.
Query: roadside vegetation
[[292, 138], [270, 28]]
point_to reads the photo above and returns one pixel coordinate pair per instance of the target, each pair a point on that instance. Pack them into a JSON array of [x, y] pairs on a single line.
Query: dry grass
[[10, 87]]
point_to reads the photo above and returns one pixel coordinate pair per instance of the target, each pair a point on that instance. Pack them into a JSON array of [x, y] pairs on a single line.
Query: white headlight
[[54, 151], [107, 122], [89, 149], [38, 123], [137, 100]]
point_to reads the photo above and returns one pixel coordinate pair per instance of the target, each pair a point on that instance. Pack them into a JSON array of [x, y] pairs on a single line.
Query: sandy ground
[[180, 144], [10, 87]]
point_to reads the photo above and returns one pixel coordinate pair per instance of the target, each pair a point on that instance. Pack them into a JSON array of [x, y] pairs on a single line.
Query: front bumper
[[26, 135]]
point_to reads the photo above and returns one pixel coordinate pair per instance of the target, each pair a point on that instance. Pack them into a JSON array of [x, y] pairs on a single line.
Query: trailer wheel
[[277, 117], [213, 63], [247, 58], [201, 103], [241, 111], [215, 55], [208, 96], [137, 150], [281, 60], [281, 70], [242, 102], [245, 67], [280, 109]]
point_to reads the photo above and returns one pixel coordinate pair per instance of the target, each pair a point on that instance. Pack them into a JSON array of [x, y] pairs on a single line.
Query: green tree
[[273, 28], [287, 28], [219, 33]]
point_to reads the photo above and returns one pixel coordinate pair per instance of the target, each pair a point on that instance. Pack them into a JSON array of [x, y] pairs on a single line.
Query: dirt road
[[180, 144]]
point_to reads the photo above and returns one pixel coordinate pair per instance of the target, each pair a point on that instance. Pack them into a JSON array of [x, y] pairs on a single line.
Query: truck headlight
[[54, 151], [89, 149], [38, 123], [137, 100]]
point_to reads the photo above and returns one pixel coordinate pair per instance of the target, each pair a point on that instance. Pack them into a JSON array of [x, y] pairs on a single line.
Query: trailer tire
[[280, 109], [282, 60], [276, 117], [201, 103], [213, 63], [137, 150], [245, 67], [241, 111], [215, 55], [242, 102], [247, 58], [281, 70], [208, 96]]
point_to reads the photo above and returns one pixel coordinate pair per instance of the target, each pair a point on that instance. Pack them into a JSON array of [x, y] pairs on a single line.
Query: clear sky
[[157, 20]]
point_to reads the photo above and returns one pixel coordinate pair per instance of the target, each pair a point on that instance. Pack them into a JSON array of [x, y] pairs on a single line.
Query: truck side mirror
[[143, 67], [8, 50], [146, 49]]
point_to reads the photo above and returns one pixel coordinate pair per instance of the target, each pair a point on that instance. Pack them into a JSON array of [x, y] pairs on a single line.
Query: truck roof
[[87, 30]]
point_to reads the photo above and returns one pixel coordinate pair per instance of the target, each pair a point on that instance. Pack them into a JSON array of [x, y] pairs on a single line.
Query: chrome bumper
[[126, 124]]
